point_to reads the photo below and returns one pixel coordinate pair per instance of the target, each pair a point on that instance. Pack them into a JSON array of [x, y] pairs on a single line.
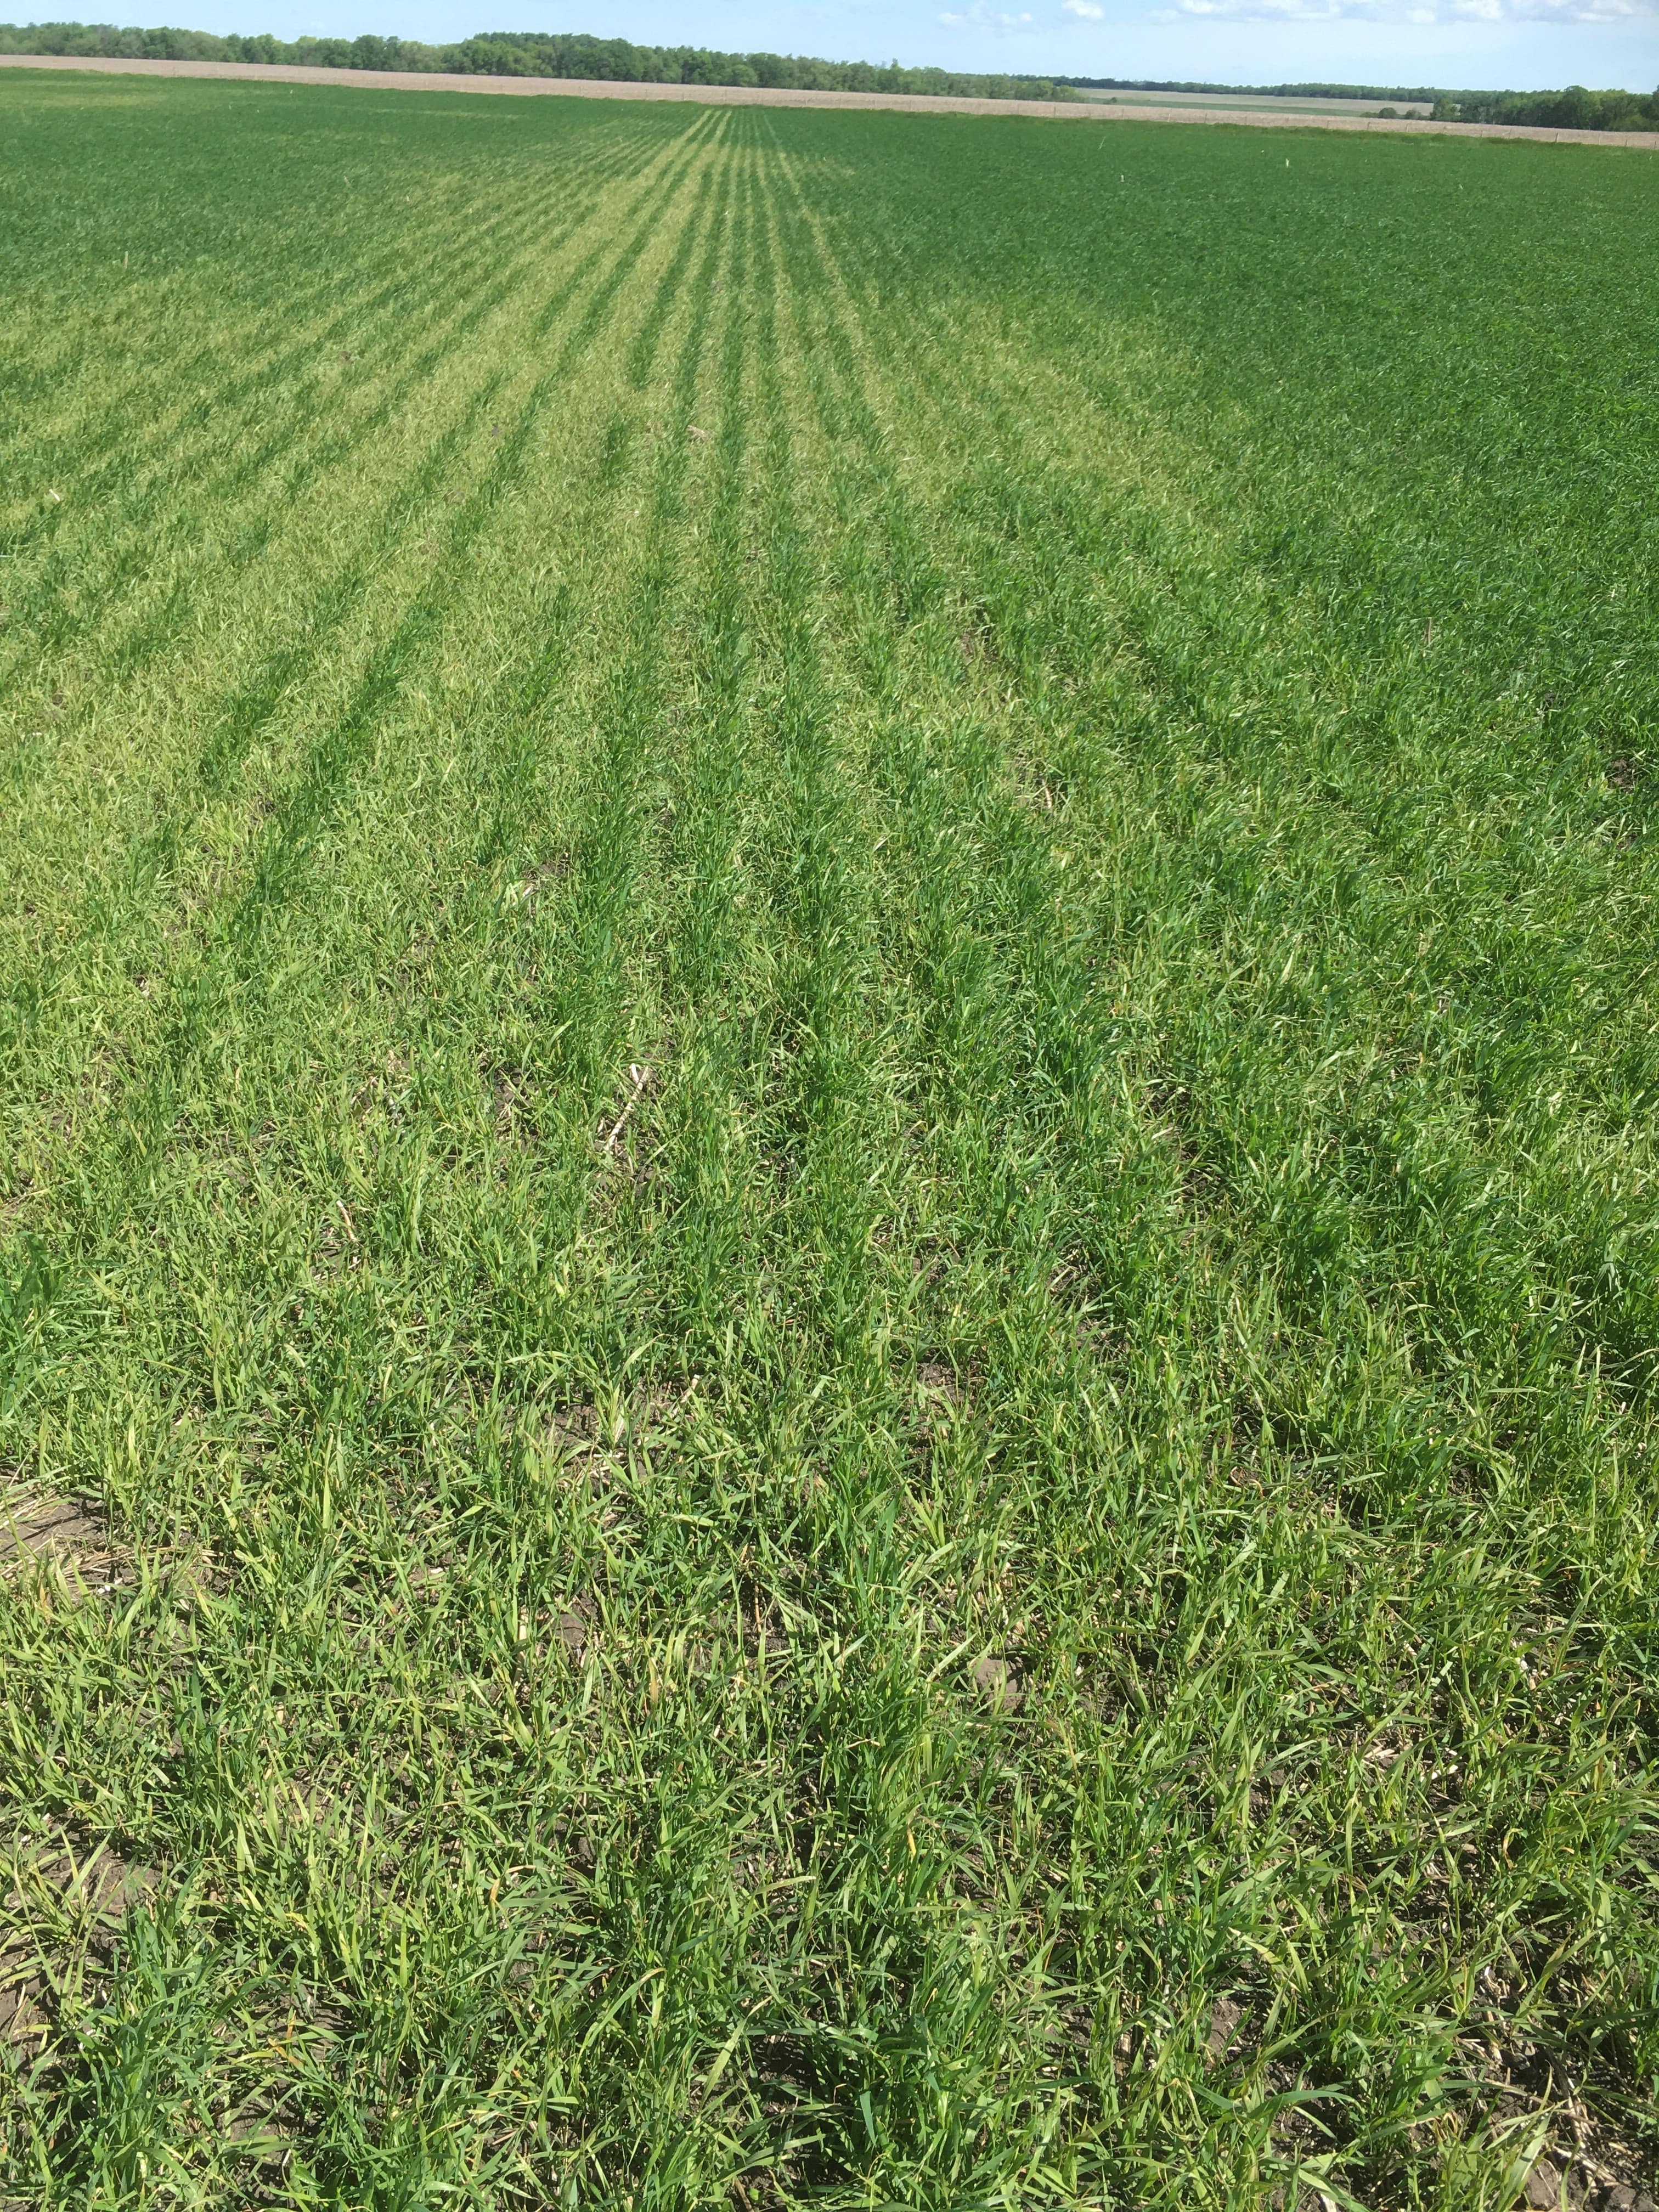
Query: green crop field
[[828, 1050]]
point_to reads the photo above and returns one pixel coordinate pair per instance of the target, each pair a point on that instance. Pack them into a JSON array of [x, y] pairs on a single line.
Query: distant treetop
[[525, 53]]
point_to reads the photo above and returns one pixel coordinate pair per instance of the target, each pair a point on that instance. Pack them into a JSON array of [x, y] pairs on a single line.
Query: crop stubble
[[829, 1072]]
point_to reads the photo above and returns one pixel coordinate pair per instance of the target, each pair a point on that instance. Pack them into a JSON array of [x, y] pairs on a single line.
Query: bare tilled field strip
[[828, 1052], [1300, 117]]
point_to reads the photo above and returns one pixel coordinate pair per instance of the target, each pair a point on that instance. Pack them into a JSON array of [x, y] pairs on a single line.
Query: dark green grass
[[827, 1075]]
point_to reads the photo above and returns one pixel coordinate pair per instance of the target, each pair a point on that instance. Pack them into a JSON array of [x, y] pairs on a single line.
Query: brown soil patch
[[38, 1526], [86, 1894]]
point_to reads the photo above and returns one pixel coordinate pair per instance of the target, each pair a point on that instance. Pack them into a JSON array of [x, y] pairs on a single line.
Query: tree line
[[525, 53], [1574, 109], [1417, 93]]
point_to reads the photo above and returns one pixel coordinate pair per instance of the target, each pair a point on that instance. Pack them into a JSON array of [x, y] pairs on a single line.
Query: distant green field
[[828, 1049], [1266, 103]]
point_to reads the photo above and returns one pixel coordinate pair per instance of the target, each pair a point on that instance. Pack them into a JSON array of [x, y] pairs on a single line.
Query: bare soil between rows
[[724, 95]]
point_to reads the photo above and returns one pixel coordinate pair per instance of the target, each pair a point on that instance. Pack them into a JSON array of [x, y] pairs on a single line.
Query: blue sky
[[1522, 43]]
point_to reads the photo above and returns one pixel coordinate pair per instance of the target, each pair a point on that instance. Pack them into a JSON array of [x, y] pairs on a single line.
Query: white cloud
[[1408, 11], [979, 17], [1087, 8]]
